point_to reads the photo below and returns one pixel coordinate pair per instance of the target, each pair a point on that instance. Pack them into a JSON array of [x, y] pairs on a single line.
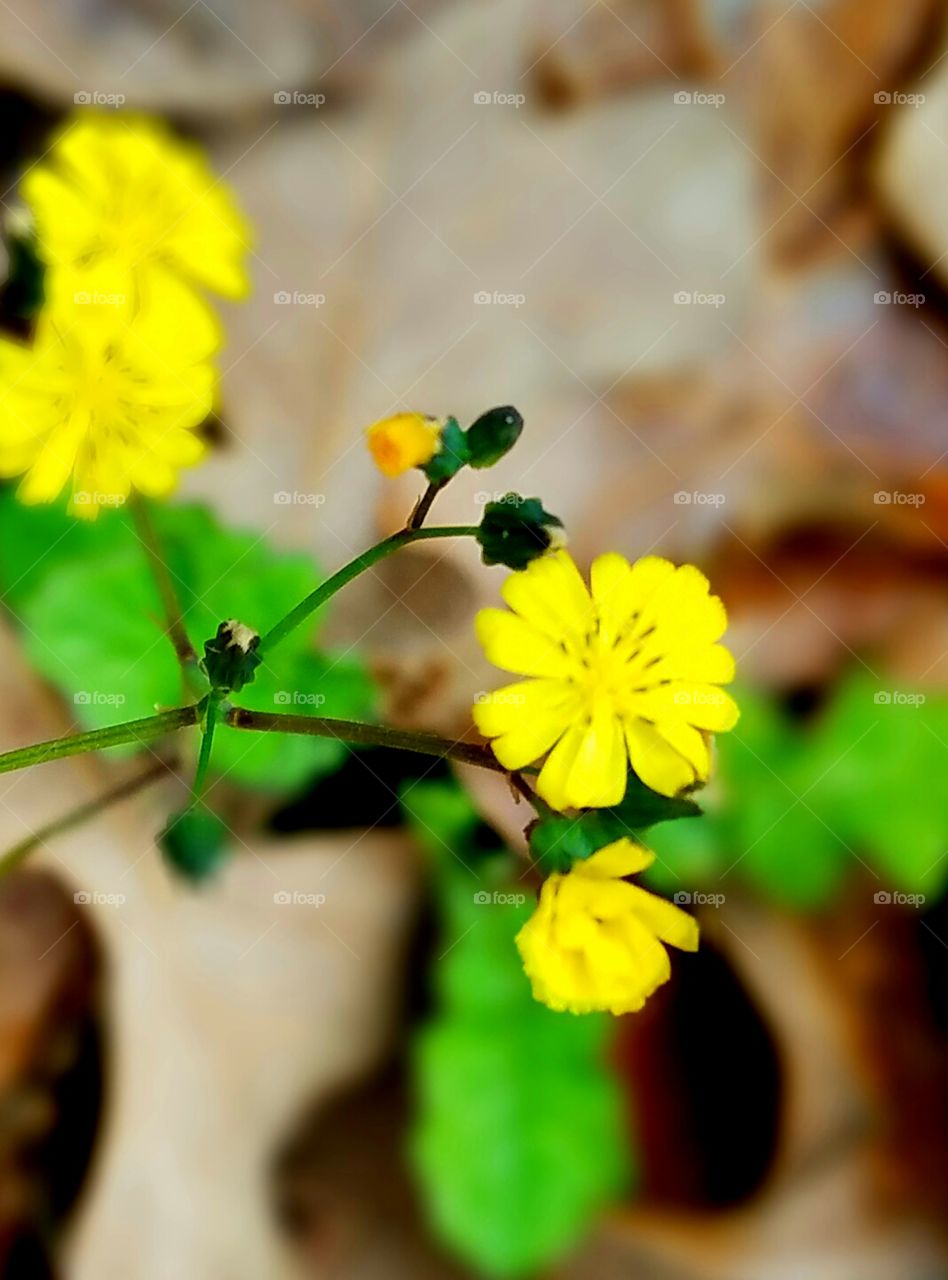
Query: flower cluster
[[621, 684], [130, 227]]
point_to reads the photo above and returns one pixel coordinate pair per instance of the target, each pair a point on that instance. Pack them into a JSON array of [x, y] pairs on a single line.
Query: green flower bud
[[194, 843], [452, 454], [516, 530], [492, 435], [231, 658]]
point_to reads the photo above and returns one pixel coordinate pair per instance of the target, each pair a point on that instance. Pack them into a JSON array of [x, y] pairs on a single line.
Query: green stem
[[296, 617], [371, 735], [13, 857], [98, 739], [174, 617], [211, 717]]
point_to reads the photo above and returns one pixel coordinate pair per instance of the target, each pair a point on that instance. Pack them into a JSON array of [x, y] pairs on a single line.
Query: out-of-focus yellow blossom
[[596, 942], [107, 402], [118, 199], [404, 441], [626, 671]]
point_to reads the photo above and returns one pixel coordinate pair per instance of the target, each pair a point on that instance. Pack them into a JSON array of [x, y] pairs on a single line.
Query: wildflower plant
[[609, 727], [606, 731]]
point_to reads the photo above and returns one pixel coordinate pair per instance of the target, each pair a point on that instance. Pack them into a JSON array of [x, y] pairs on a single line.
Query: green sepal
[[194, 843], [230, 657], [493, 434], [559, 841], [451, 456], [516, 530]]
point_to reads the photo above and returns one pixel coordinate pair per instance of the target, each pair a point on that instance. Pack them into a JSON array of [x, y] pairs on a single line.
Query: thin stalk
[[174, 618], [423, 505], [13, 857], [296, 617], [98, 739], [371, 735]]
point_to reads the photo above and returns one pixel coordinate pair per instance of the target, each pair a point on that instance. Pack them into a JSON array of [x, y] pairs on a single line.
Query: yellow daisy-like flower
[[108, 402], [119, 198], [595, 942], [404, 441], [624, 671]]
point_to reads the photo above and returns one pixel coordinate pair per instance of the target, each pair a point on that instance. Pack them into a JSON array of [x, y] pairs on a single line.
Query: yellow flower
[[108, 401], [119, 198], [596, 942], [404, 441], [626, 673]]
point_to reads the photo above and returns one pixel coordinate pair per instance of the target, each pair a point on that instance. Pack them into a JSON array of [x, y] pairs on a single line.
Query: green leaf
[[559, 841], [522, 1092], [92, 616], [194, 843]]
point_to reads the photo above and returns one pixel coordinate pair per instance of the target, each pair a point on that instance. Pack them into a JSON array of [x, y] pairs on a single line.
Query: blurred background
[[702, 245]]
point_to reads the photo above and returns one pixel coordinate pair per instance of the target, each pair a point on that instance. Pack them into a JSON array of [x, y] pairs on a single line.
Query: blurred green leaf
[[92, 615], [519, 1140], [559, 841], [194, 843]]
